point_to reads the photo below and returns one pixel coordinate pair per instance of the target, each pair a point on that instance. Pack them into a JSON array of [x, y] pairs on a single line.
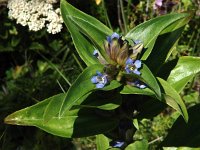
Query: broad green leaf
[[185, 134], [101, 99], [83, 87], [83, 46], [186, 68], [138, 145], [173, 99], [149, 31], [162, 48], [134, 90], [148, 78], [69, 125], [81, 25], [102, 142]]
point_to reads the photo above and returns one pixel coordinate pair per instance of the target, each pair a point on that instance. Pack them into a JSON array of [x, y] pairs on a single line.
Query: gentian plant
[[128, 78]]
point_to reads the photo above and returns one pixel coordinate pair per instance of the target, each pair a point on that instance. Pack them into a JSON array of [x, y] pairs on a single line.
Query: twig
[[155, 140]]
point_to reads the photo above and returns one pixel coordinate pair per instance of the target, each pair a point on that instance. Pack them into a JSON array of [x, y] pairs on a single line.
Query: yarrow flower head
[[36, 14], [100, 80]]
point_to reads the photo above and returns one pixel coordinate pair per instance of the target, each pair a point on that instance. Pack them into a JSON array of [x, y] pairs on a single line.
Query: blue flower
[[114, 35], [100, 80], [96, 53], [117, 144], [132, 66]]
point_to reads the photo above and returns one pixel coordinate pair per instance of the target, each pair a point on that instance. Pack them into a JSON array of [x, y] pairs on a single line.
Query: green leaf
[[85, 31], [173, 99], [185, 134], [134, 90], [101, 99], [69, 125], [149, 31], [186, 68], [149, 112], [138, 145], [148, 78], [162, 48], [102, 142], [83, 87]]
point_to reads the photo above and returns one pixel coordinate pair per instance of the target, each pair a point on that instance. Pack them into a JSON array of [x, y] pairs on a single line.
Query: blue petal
[[127, 69], [138, 63], [114, 35], [100, 85], [136, 72], [94, 79], [129, 61], [99, 74], [95, 53], [137, 41], [118, 144], [109, 39]]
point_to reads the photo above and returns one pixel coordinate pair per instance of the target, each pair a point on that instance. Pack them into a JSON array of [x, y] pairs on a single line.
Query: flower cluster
[[36, 14], [122, 59]]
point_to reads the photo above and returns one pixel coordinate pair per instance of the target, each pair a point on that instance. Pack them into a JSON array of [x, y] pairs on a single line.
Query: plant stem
[[53, 66], [60, 86], [119, 16], [106, 14], [123, 16], [78, 62]]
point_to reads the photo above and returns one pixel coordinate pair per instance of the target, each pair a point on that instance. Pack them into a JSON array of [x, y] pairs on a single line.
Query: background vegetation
[[32, 66]]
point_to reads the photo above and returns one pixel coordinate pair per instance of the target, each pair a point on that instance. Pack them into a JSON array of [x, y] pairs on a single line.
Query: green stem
[[123, 16], [53, 66], [106, 14], [78, 62], [119, 16]]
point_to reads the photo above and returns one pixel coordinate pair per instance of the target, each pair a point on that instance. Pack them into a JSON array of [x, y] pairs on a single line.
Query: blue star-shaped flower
[[132, 66], [100, 80]]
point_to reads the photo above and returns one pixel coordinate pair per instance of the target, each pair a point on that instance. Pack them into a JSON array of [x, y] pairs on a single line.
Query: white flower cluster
[[36, 14]]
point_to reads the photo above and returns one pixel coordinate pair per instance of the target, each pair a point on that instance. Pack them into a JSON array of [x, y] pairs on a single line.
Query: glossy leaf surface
[[149, 31], [82, 87], [101, 99], [148, 78], [186, 68], [173, 99], [81, 25], [69, 125]]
